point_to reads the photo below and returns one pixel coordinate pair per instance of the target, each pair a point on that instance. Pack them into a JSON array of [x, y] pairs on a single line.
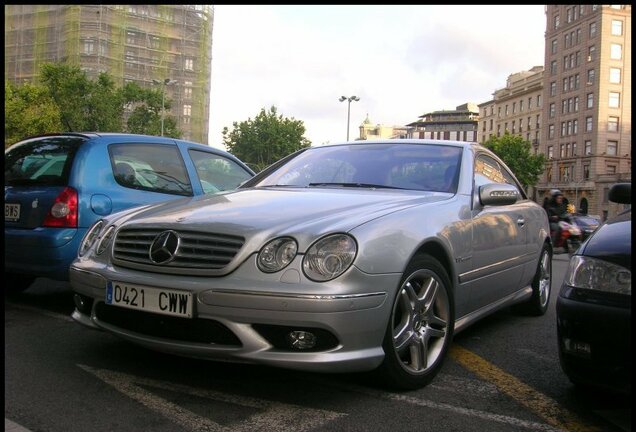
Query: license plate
[[150, 299], [11, 212]]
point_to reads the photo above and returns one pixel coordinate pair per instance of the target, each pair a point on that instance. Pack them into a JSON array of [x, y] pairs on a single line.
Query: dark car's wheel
[[420, 327], [541, 286], [16, 283]]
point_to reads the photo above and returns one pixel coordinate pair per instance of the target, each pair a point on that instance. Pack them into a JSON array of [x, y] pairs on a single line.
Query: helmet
[[555, 192]]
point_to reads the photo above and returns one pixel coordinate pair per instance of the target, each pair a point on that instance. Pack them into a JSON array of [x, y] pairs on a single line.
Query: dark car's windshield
[[41, 161], [400, 166]]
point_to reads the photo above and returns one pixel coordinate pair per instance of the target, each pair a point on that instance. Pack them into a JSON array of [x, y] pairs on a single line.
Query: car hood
[[612, 241], [260, 214]]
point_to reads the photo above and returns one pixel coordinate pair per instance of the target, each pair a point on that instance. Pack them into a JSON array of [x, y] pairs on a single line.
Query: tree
[[515, 152], [28, 110], [266, 139]]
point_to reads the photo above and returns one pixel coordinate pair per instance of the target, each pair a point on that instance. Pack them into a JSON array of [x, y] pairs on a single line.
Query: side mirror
[[621, 193], [498, 194]]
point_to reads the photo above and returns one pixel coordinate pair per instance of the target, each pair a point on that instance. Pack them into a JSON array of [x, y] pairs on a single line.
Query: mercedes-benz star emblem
[[164, 247]]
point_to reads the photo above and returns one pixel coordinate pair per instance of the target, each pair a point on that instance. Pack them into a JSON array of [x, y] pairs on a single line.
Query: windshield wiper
[[355, 185]]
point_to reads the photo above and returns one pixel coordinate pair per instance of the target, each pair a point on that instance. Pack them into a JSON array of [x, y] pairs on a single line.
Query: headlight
[[105, 240], [277, 254], [90, 237], [329, 257], [595, 274]]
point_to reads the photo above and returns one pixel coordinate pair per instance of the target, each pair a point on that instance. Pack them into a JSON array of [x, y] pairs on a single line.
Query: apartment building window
[[614, 100], [490, 126], [498, 112], [554, 47], [567, 40], [577, 59], [514, 126], [89, 46], [576, 104], [588, 124], [498, 130], [610, 169], [550, 152], [591, 53], [187, 110], [567, 150], [578, 36], [612, 124], [569, 15], [575, 127], [538, 101], [551, 131], [615, 76], [530, 102], [131, 38], [506, 110], [505, 127], [592, 30], [590, 100], [187, 92], [569, 127], [564, 106], [616, 51], [514, 107], [581, 9], [520, 125], [586, 172], [574, 149], [521, 105], [103, 48], [588, 147], [612, 147], [563, 126], [189, 64], [155, 42], [553, 88], [557, 21], [529, 125], [536, 137], [538, 120], [566, 64], [552, 110], [564, 173], [617, 27], [594, 8]]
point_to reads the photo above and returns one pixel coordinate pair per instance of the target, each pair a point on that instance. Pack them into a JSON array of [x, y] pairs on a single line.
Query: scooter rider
[[556, 209]]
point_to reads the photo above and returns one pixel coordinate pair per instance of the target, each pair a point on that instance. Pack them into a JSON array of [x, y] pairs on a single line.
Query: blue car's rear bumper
[[41, 252]]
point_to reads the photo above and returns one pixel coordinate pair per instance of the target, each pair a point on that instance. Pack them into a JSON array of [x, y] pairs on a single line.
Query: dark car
[[58, 185], [586, 223], [594, 305]]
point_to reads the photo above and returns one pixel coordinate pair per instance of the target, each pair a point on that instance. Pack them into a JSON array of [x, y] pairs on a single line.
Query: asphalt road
[[502, 375]]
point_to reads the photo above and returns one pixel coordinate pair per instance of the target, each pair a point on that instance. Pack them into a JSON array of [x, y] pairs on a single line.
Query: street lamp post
[[163, 83], [349, 99]]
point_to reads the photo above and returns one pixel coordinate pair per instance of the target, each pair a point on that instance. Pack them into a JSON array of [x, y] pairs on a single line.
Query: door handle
[[521, 222]]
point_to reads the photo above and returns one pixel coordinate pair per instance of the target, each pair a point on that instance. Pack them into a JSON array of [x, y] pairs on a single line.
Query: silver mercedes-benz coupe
[[359, 256]]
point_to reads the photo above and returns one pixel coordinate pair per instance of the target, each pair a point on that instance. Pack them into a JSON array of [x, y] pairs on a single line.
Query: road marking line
[[275, 417], [545, 407]]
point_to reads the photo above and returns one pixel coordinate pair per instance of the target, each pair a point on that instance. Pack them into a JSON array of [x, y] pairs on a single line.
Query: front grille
[[197, 330], [197, 250]]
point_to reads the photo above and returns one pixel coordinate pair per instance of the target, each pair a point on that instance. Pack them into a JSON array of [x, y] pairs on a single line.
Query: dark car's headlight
[[329, 257], [595, 274], [90, 237], [105, 240], [277, 254]]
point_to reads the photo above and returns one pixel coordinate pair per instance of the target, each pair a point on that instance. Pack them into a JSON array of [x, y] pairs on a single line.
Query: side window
[[151, 167], [488, 170], [217, 173]]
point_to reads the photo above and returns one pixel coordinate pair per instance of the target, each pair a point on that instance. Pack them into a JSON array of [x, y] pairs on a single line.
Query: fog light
[[301, 340], [578, 348], [83, 303]]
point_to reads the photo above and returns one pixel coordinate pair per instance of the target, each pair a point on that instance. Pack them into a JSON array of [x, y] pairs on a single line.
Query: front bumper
[[595, 343], [250, 307]]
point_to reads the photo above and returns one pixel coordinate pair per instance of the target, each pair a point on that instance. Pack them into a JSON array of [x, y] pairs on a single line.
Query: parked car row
[[58, 185]]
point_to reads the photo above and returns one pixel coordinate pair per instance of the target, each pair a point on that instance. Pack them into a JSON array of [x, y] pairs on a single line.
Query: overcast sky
[[401, 61]]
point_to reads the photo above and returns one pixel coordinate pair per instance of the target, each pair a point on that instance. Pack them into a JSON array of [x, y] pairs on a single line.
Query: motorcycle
[[570, 235]]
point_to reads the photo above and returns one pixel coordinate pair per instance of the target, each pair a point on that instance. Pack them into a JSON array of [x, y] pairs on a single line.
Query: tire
[[420, 327], [16, 283], [537, 305]]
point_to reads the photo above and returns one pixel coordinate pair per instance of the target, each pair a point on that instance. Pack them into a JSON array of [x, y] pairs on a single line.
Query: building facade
[[146, 44], [456, 125], [515, 108], [587, 104], [369, 131]]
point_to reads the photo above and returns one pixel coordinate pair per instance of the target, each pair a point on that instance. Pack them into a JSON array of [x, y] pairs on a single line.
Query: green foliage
[[266, 139], [67, 100], [28, 110], [515, 152]]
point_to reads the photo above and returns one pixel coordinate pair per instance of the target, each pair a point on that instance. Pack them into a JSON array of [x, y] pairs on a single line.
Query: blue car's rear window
[[41, 161]]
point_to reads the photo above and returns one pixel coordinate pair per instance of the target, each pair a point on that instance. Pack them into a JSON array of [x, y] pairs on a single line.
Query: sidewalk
[[10, 426]]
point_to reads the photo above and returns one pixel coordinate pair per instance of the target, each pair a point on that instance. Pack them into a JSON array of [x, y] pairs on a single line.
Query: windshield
[[427, 167], [41, 161]]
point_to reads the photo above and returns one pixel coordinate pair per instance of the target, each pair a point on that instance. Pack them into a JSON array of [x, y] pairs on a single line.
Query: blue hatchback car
[[58, 185]]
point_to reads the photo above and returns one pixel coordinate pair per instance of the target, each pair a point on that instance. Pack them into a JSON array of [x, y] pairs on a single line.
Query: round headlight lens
[[105, 240], [90, 237], [277, 254], [329, 257]]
